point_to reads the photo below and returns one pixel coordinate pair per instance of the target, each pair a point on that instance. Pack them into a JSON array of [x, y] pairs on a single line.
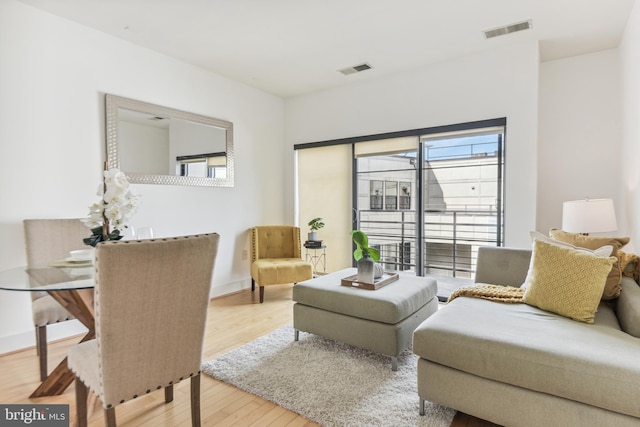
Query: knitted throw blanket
[[498, 293]]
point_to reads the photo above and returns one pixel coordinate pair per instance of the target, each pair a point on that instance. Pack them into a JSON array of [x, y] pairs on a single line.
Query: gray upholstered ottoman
[[382, 320]]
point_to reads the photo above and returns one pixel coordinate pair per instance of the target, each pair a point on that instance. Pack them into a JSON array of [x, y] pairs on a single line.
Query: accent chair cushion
[[276, 271], [566, 281], [612, 288]]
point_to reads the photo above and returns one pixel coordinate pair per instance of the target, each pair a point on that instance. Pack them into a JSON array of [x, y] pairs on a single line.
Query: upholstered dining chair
[[150, 302], [276, 257], [50, 240]]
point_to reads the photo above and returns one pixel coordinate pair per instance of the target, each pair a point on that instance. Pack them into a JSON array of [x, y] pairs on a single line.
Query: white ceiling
[[292, 47]]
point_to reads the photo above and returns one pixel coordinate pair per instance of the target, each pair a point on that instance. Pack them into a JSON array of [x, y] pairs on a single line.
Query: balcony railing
[[450, 243]]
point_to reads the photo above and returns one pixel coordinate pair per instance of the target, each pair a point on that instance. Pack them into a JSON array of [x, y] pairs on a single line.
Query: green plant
[[362, 242], [316, 224]]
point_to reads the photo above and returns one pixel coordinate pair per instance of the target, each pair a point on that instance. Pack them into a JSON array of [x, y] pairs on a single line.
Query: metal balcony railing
[[450, 242]]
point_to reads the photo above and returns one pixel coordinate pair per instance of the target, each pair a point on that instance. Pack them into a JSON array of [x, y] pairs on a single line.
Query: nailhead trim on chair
[[57, 321], [191, 374], [110, 405]]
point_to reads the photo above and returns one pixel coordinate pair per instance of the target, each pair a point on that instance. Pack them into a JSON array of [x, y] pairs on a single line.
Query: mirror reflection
[[160, 145]]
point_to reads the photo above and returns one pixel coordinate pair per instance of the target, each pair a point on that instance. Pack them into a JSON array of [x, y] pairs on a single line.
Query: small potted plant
[[366, 258], [314, 225]]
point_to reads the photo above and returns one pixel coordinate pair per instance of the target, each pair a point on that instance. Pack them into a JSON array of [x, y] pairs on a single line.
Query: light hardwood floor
[[233, 320]]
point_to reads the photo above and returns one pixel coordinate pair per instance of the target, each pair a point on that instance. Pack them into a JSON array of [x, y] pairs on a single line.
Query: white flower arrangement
[[115, 209]]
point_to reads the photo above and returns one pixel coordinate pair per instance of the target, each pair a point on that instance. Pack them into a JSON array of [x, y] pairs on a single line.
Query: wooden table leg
[[80, 304]]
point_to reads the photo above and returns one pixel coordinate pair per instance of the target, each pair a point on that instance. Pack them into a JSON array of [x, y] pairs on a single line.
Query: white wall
[[498, 83], [579, 135], [54, 74], [630, 82]]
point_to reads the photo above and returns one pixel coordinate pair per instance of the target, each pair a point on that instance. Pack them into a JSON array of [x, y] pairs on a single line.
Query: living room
[[566, 119]]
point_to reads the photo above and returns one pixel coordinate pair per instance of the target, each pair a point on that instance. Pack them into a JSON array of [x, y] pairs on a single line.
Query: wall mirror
[[152, 144]]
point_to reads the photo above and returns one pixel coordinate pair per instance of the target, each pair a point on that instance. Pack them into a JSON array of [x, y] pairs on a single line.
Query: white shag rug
[[328, 382]]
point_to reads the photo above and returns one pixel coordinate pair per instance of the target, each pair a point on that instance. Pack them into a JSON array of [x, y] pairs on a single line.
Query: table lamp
[[589, 216]]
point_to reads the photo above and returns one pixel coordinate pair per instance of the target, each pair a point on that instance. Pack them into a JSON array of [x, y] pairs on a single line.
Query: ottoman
[[382, 321]]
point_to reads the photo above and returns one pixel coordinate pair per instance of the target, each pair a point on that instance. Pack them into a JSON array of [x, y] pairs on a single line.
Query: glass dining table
[[71, 285]]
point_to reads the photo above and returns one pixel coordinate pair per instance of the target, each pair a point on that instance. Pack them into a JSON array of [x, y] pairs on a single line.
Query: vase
[[312, 236], [378, 270], [365, 269]]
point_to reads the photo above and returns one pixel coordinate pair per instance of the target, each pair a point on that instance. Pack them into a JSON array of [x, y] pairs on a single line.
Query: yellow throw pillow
[[612, 288], [566, 281], [604, 251]]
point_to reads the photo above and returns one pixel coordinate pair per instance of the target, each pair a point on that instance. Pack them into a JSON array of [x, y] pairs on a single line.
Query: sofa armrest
[[502, 266], [628, 309]]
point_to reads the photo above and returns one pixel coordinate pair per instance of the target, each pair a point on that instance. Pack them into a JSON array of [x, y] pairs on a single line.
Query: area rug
[[328, 382]]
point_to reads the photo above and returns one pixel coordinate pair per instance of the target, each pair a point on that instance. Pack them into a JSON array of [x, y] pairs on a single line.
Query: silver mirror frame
[[114, 102]]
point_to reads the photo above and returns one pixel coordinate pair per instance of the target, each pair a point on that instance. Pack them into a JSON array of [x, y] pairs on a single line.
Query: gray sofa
[[517, 365]]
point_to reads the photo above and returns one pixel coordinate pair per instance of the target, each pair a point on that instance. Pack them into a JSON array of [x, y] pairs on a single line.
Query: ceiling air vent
[[520, 26], [355, 69]]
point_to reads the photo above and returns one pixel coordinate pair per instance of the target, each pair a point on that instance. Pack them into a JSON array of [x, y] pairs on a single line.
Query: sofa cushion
[[389, 304], [501, 266], [628, 308], [612, 287], [566, 281], [518, 344]]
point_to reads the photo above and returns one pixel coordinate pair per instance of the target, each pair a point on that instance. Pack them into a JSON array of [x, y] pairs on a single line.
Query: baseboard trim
[[229, 288], [27, 339]]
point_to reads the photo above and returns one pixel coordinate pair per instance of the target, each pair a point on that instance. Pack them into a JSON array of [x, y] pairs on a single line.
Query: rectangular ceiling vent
[[355, 69], [502, 31]]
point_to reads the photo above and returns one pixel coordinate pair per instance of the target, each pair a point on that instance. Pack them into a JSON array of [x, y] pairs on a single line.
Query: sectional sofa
[[515, 364]]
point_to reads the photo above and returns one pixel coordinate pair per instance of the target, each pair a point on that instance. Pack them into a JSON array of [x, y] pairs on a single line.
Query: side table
[[317, 257]]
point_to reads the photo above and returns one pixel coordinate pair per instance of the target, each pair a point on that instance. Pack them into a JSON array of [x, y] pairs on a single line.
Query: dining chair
[[150, 302], [276, 257], [50, 240]]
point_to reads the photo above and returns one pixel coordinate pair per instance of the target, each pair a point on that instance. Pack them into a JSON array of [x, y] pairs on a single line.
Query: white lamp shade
[[589, 216]]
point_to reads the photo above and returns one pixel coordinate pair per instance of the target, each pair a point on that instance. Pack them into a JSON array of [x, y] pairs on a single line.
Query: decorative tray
[[387, 277]]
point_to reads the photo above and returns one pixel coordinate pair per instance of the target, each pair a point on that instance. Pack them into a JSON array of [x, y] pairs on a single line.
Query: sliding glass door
[[427, 199], [463, 206]]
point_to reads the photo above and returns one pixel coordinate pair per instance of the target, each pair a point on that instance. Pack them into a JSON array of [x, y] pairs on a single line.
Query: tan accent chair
[[276, 257], [151, 299], [50, 240]]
